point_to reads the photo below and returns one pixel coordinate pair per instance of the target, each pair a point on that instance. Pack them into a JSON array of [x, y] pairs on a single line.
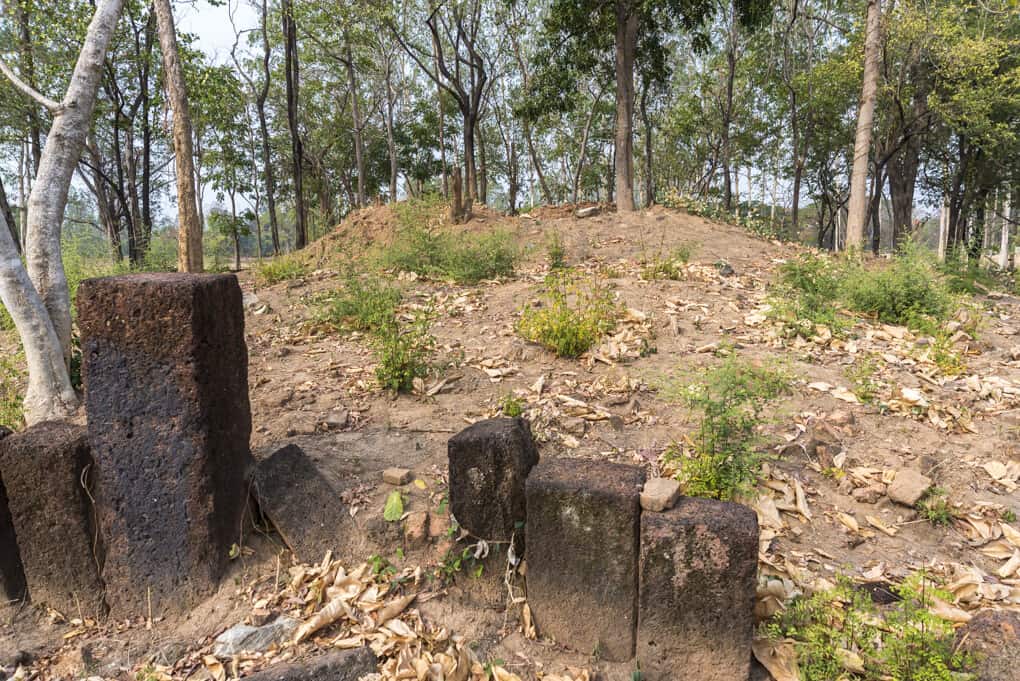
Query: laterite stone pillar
[[166, 394]]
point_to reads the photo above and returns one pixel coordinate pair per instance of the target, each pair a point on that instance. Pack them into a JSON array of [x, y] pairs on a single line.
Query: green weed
[[12, 414], [725, 458], [465, 258], [861, 375], [403, 353], [574, 314], [841, 634], [669, 266], [280, 268], [556, 252], [364, 304], [511, 406], [934, 507]]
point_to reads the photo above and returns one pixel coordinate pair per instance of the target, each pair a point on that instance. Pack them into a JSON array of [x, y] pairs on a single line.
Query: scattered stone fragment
[[871, 494], [416, 529], [339, 665], [397, 476], [489, 462], [588, 212], [242, 638], [12, 575], [582, 543], [337, 420], [908, 487], [698, 568], [993, 638], [660, 494], [44, 469], [439, 525], [166, 394], [303, 507]]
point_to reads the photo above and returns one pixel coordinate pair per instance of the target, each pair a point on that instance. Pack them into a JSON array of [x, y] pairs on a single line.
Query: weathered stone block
[[47, 471], [302, 505], [489, 462], [166, 394], [699, 566], [582, 548], [337, 665], [992, 638], [12, 575]]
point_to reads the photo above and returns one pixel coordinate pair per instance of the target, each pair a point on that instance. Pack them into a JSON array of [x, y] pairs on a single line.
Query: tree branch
[[26, 89]]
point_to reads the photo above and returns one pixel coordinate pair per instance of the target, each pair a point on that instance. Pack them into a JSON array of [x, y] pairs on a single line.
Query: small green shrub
[[6, 323], [281, 268], [556, 252], [806, 295], [364, 304], [463, 257], [840, 629], [726, 456], [404, 353], [511, 405], [670, 266], [934, 507], [575, 313]]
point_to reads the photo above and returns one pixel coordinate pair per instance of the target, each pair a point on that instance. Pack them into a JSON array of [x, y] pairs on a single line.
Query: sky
[[211, 24]]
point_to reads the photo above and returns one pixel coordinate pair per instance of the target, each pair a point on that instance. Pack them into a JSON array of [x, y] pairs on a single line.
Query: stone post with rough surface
[[699, 565], [12, 575], [166, 394], [582, 549]]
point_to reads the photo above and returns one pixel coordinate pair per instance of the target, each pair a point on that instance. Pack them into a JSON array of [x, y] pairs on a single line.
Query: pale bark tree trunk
[[1004, 234], [858, 207], [584, 147], [38, 300], [8, 215], [189, 234], [292, 70], [359, 144], [391, 144], [626, 46]]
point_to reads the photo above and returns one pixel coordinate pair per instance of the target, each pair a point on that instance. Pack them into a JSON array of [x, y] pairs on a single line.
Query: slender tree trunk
[[582, 151], [483, 170], [468, 184], [267, 156], [38, 300], [727, 118], [189, 235], [359, 145], [857, 211], [292, 69], [391, 145], [646, 123], [27, 62], [536, 163], [626, 46]]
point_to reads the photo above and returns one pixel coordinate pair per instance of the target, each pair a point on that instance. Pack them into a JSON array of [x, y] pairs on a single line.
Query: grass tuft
[[574, 313]]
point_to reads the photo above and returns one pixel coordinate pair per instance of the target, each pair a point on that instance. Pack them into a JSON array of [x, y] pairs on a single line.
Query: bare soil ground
[[318, 390]]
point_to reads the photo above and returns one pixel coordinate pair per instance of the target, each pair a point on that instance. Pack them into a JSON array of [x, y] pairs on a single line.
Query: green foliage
[[511, 405], [725, 458], [11, 412], [907, 290], [841, 634], [404, 353], [281, 268], [466, 258], [669, 266], [555, 251], [364, 304], [574, 314], [934, 507]]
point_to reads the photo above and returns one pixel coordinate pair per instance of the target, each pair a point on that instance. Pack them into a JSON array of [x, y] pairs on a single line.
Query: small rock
[[416, 529], [336, 665], [868, 495], [908, 487], [660, 494], [243, 638], [725, 269], [588, 212], [575, 425], [337, 420], [250, 299], [397, 476], [993, 638]]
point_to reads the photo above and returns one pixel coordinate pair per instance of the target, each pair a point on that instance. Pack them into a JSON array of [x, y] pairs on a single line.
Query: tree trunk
[[727, 118], [646, 122], [626, 46], [584, 148], [292, 69], [41, 307], [483, 170], [359, 144], [536, 163], [267, 156], [27, 62], [189, 235], [468, 185], [391, 144], [858, 208]]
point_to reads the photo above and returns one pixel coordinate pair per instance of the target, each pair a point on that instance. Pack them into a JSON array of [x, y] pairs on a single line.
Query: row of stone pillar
[[673, 590], [136, 513]]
